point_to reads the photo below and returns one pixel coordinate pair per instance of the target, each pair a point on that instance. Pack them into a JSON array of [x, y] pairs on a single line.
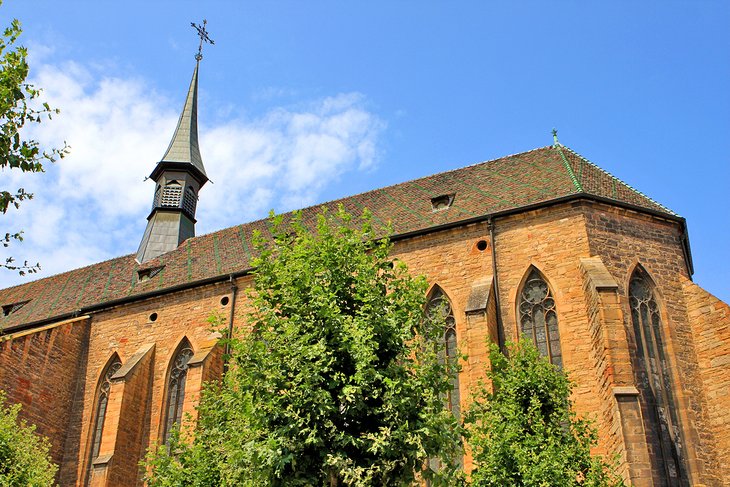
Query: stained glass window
[[439, 303], [654, 379], [102, 401], [176, 388], [538, 318]]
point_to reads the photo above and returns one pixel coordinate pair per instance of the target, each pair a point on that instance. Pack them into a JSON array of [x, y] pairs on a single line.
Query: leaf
[[331, 382], [15, 112]]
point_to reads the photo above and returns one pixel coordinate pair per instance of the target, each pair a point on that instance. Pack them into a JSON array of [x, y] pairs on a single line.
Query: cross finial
[[555, 137], [203, 34]]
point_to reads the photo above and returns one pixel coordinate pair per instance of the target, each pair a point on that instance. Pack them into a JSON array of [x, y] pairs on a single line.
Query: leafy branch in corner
[[17, 109]]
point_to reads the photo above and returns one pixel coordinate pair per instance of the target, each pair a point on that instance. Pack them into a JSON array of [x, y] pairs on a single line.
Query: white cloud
[[92, 205], [284, 159]]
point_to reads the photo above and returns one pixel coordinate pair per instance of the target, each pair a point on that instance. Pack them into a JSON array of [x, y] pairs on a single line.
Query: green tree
[[338, 381], [18, 107], [24, 457], [523, 431]]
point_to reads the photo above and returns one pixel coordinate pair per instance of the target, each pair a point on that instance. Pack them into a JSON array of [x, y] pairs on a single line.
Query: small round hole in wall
[[153, 317], [224, 300], [482, 245]]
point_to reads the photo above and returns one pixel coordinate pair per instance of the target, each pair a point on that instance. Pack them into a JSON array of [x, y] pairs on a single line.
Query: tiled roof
[[505, 184]]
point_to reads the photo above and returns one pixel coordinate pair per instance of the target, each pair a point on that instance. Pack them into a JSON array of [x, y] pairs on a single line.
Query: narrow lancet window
[[654, 381], [176, 388], [439, 303], [538, 318], [102, 401]]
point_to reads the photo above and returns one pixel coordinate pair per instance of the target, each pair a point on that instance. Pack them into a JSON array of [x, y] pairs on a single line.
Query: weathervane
[[203, 34], [555, 137]]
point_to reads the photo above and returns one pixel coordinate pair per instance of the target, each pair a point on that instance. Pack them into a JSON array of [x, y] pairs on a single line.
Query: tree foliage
[[24, 457], [18, 108], [523, 431], [339, 380]]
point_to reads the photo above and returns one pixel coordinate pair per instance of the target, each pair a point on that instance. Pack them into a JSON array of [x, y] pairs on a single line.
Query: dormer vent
[[149, 273], [442, 202], [9, 309]]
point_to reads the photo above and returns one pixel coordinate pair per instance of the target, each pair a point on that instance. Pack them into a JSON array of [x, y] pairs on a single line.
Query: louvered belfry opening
[[190, 201], [171, 196]]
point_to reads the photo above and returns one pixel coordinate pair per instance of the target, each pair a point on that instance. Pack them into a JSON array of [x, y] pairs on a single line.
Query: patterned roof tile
[[505, 184]]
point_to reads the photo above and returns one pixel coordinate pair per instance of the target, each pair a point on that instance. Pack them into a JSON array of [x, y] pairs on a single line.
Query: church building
[[107, 358]]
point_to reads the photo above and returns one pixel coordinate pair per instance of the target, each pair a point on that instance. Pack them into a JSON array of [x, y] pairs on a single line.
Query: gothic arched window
[[102, 401], [439, 303], [538, 318], [176, 387], [654, 380]]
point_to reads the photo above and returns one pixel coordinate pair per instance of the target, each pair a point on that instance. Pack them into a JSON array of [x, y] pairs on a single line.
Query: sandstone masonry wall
[[125, 330], [553, 240], [624, 239], [578, 247], [710, 321], [40, 369], [452, 260]]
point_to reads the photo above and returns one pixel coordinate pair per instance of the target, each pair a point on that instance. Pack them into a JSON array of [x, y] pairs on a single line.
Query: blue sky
[[303, 102]]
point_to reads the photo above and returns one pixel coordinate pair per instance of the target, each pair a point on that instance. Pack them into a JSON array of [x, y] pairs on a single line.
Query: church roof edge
[[508, 184]]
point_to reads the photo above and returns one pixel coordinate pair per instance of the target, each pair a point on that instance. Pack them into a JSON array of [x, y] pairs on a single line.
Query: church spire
[[178, 177], [184, 147]]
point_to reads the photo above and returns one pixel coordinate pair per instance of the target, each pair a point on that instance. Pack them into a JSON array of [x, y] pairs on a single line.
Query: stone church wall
[[41, 368], [128, 330], [585, 251], [624, 239], [553, 240], [127, 421], [451, 260], [710, 321], [610, 360]]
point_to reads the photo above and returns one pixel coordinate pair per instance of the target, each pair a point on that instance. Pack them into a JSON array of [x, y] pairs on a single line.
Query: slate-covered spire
[[178, 177], [184, 146]]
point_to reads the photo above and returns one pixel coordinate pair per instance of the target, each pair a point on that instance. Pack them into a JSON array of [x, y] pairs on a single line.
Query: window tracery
[[439, 303], [654, 377], [538, 317], [102, 401], [176, 388]]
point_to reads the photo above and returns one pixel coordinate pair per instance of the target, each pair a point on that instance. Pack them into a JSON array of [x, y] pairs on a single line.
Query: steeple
[[178, 177], [183, 148]]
